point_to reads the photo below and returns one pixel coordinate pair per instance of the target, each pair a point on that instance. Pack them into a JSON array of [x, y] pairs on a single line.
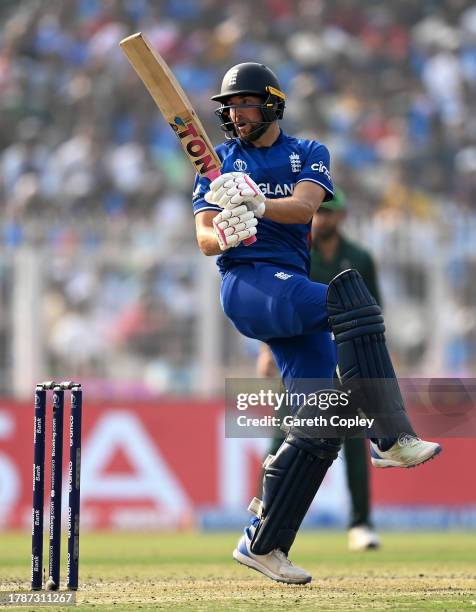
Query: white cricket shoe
[[274, 565], [407, 452], [363, 537]]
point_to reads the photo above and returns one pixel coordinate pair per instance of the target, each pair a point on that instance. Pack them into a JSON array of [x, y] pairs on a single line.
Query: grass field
[[190, 571]]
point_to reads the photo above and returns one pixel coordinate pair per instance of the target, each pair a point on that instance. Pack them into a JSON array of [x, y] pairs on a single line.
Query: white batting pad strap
[[267, 461], [256, 506]]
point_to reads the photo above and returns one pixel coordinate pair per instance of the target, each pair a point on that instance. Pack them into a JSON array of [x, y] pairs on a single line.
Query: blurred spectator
[[380, 83], [87, 162]]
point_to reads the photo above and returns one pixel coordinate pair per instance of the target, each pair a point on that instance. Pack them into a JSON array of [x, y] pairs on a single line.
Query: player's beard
[[258, 128]]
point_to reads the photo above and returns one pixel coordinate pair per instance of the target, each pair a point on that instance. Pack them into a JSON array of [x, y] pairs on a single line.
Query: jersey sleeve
[[316, 168], [200, 188]]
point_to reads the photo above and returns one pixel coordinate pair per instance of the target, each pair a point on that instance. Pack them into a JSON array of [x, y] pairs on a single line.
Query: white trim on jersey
[[217, 208], [318, 182]]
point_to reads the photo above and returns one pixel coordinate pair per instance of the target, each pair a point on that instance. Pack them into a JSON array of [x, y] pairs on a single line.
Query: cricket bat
[[174, 105]]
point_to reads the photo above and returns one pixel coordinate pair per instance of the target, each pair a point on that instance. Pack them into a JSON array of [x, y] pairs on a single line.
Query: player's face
[[244, 116], [325, 223]]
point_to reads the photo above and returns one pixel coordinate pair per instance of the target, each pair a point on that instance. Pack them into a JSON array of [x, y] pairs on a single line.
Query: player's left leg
[[291, 480], [313, 357], [293, 475]]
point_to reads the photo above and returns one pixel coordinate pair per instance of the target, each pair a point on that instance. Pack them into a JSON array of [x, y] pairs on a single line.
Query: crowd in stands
[[86, 159]]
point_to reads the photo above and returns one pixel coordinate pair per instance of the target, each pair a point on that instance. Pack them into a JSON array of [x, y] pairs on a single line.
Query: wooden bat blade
[[156, 76], [173, 103]]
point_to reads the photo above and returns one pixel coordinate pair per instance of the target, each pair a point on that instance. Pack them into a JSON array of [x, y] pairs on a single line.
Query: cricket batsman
[[271, 186]]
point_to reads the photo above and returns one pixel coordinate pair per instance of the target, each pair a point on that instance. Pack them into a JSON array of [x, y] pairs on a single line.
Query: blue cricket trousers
[[286, 310]]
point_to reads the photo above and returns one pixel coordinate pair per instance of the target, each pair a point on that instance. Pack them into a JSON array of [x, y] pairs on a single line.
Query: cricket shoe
[[363, 537], [274, 565], [407, 452]]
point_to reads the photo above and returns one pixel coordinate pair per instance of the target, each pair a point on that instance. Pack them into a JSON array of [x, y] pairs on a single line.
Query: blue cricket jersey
[[276, 169]]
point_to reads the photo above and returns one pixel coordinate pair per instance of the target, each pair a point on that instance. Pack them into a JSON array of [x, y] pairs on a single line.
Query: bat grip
[[212, 176]]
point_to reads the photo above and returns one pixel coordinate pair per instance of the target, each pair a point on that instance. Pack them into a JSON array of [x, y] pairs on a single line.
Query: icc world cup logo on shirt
[[240, 165]]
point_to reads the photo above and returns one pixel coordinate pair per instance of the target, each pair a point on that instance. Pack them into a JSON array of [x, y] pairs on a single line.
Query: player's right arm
[[206, 237], [219, 232], [204, 214]]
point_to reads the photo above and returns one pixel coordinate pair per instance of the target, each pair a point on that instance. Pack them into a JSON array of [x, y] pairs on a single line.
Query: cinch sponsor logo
[[320, 167], [277, 190], [194, 145]]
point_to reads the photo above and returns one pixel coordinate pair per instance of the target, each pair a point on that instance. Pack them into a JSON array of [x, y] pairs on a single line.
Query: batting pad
[[291, 480], [362, 355]]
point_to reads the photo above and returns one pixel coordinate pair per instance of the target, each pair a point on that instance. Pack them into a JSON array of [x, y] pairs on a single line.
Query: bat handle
[[212, 175], [249, 241]]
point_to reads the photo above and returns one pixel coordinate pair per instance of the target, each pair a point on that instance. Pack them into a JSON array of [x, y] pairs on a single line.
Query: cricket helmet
[[253, 79]]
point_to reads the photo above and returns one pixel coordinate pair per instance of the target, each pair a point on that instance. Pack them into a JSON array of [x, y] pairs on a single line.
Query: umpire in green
[[331, 253]]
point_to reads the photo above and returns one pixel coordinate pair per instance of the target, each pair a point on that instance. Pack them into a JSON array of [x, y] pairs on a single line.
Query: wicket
[[74, 477]]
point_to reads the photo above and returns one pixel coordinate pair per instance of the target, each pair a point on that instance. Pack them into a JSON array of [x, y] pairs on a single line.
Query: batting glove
[[234, 189], [233, 226]]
